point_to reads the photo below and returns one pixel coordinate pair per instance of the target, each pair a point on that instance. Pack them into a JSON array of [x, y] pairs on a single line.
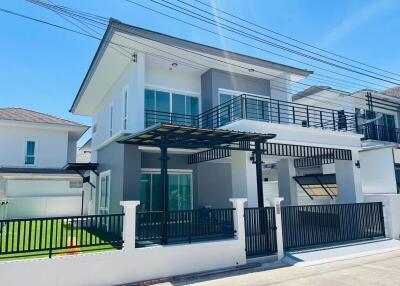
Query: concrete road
[[380, 269]]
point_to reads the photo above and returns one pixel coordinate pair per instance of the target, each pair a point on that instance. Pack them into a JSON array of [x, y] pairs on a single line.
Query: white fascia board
[[36, 176], [49, 126]]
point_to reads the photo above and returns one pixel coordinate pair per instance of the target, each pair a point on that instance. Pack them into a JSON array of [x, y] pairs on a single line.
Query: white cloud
[[354, 21]]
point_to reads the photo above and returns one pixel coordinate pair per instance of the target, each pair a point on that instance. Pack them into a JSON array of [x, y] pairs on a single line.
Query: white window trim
[[101, 175], [110, 120], [175, 91], [173, 172], [125, 106], [35, 151]]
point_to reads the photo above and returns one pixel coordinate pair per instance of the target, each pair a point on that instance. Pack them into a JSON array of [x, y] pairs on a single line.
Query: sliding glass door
[[180, 191], [164, 106]]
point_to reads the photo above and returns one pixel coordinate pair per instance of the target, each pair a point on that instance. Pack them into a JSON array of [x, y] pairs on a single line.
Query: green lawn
[[35, 238]]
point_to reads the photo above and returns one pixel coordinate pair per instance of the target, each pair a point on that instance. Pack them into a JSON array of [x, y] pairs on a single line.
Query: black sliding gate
[[260, 231], [311, 225]]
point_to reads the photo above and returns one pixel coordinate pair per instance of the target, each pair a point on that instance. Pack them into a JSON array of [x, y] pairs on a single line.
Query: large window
[[179, 185], [30, 153], [255, 107], [125, 118], [168, 106], [104, 198], [382, 119]]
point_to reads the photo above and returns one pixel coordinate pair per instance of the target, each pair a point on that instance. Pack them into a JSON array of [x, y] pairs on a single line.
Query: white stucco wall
[[51, 146], [131, 78], [42, 198], [131, 264], [377, 171]]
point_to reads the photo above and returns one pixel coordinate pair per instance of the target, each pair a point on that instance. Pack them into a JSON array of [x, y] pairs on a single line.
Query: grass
[[34, 238]]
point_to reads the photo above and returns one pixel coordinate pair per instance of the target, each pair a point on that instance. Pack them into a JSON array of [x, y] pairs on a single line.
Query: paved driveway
[[380, 269]]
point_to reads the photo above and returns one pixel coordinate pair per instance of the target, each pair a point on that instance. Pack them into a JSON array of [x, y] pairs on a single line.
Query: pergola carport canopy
[[171, 135], [166, 136], [81, 168]]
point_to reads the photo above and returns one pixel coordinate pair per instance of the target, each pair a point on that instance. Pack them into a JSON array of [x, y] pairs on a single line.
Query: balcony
[[260, 109], [377, 132]]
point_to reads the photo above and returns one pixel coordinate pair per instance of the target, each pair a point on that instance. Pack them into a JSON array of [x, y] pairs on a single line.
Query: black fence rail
[[260, 108], [373, 131], [305, 226], [60, 234], [155, 227], [260, 229]]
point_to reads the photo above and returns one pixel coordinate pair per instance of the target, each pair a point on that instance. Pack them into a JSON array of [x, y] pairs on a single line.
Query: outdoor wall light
[[251, 70], [357, 164], [174, 65]]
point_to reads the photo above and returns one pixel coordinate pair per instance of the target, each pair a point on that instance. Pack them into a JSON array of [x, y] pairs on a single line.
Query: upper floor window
[[125, 99], [169, 106], [110, 130], [30, 153]]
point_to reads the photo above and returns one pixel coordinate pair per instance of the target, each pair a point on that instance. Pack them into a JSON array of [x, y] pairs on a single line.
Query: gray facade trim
[[115, 25]]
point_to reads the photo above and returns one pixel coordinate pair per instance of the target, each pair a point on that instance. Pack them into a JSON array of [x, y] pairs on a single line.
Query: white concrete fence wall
[[132, 264]]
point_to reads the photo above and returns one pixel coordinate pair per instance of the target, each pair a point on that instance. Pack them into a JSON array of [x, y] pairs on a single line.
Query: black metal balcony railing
[[374, 131], [260, 109]]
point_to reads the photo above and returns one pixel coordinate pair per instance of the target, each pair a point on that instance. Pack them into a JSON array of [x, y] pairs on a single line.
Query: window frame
[[172, 91], [110, 120], [35, 152], [125, 111], [156, 171], [107, 208]]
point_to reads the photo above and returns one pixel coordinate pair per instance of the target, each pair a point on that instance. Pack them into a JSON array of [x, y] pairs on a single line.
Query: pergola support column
[[164, 187], [258, 162]]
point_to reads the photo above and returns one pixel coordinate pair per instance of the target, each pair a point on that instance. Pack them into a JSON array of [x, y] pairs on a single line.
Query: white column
[[244, 179], [129, 231], [348, 180], [279, 230], [286, 184], [238, 205]]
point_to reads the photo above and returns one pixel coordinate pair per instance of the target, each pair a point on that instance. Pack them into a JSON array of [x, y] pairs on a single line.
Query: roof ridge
[[35, 113]]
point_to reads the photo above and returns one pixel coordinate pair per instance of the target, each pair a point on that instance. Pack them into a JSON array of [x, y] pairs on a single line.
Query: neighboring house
[[378, 120], [84, 152], [33, 151], [201, 115]]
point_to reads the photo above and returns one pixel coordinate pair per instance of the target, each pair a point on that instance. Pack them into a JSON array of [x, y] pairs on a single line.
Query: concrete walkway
[[377, 269]]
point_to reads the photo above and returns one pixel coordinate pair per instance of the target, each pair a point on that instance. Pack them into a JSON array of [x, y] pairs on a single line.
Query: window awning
[[318, 185], [192, 137], [81, 166]]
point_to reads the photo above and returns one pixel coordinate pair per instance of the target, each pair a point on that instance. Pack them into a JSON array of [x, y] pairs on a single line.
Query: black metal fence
[[373, 131], [311, 225], [154, 227], [260, 229], [60, 234], [260, 109]]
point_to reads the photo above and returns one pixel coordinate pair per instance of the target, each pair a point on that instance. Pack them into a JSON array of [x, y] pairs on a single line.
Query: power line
[[290, 38], [158, 49], [202, 18], [253, 46]]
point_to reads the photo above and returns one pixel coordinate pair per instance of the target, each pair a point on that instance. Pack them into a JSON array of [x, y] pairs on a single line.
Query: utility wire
[[253, 46], [144, 44], [202, 18], [289, 38]]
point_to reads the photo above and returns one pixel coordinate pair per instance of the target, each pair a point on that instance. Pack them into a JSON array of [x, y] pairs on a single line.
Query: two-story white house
[[33, 151], [181, 125]]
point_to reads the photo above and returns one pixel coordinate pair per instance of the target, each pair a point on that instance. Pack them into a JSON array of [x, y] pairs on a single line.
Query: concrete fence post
[[279, 230], [238, 218], [129, 230]]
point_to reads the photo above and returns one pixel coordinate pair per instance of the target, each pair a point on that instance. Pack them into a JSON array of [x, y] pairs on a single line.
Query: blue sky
[[42, 67]]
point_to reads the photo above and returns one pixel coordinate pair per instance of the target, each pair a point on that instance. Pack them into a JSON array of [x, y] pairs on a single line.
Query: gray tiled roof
[[309, 91], [26, 115], [394, 91]]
